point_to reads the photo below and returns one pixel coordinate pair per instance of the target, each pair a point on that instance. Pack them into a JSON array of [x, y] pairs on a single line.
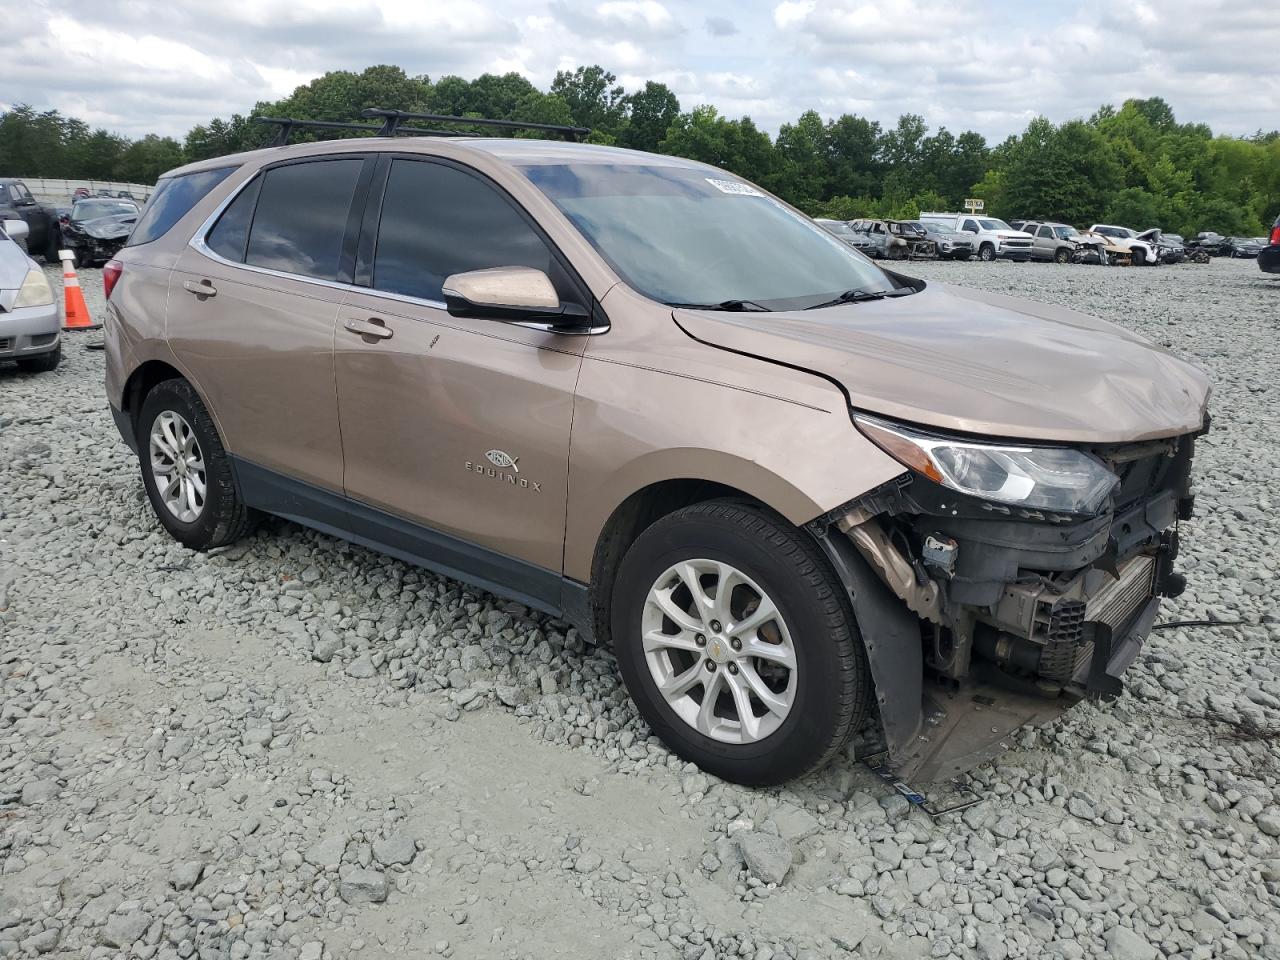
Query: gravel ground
[[293, 747]]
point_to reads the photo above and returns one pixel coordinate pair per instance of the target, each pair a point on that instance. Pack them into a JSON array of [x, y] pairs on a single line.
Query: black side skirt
[[414, 543]]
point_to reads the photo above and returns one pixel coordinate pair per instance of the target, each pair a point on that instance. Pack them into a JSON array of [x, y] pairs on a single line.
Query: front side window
[[301, 217], [970, 226], [438, 220], [689, 235], [1045, 232], [21, 194], [173, 197]]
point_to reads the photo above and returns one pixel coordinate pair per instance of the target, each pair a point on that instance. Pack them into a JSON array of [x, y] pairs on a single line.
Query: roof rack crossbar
[[391, 120], [287, 124]]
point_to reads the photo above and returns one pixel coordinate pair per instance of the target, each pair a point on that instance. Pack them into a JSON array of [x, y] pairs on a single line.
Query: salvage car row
[[958, 236], [93, 228]]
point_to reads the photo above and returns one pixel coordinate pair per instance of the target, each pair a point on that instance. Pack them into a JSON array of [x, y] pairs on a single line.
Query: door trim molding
[[341, 516]]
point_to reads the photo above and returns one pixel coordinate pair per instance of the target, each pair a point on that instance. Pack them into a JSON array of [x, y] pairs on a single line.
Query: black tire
[[1062, 255], [43, 363], [986, 253], [224, 517], [54, 245], [832, 677]]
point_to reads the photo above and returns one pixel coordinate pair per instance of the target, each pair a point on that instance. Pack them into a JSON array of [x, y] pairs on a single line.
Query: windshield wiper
[[859, 295], [733, 306]]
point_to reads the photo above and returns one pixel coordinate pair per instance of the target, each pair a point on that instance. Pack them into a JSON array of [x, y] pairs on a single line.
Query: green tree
[[652, 111], [595, 100]]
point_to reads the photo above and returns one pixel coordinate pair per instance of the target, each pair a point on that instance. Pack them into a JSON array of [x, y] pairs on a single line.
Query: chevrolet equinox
[[647, 397]]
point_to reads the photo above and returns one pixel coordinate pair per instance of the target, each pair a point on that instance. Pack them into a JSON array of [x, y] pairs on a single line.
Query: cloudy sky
[[137, 66]]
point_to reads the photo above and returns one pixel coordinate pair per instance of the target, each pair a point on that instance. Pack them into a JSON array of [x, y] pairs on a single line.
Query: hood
[[108, 228], [14, 264], [963, 360]]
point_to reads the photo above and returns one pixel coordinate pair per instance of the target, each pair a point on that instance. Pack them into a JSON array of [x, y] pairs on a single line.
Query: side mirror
[[16, 229], [513, 294]]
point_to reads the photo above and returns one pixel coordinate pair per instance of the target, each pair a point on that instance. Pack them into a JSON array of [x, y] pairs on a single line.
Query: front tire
[[1063, 255], [186, 471], [727, 600], [986, 253]]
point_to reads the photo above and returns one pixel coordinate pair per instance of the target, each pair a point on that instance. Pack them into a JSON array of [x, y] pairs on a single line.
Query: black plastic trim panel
[[333, 513]]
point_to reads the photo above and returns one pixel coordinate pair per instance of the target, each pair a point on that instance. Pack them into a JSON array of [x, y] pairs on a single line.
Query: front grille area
[[1066, 643], [1119, 600], [1068, 647]]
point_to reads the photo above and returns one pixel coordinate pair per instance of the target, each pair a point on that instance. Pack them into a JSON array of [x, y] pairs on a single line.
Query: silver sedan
[[29, 325]]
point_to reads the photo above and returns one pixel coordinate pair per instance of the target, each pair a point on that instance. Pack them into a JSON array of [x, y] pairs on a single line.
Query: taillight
[[1275, 234], [110, 274]]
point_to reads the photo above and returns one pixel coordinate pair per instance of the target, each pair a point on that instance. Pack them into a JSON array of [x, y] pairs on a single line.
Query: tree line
[[1134, 165]]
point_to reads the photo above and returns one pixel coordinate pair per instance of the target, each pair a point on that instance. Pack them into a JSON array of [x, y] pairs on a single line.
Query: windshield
[[679, 236], [1066, 233], [89, 209], [994, 225]]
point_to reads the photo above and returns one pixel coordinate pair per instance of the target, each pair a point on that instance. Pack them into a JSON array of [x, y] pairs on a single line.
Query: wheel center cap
[[718, 650]]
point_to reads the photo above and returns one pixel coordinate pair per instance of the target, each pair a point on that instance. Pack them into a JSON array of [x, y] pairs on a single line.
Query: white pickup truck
[[992, 238]]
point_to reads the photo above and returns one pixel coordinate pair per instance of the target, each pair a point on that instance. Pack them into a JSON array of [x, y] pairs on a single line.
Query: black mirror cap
[[568, 316]]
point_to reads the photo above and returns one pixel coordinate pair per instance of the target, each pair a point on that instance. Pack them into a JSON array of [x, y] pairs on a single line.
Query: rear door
[[252, 308], [455, 424]]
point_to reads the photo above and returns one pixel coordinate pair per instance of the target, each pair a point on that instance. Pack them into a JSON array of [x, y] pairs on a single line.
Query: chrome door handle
[[371, 330], [202, 290]]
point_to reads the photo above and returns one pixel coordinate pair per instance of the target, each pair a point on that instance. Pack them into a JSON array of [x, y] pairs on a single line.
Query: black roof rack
[[391, 120], [392, 125], [287, 124]]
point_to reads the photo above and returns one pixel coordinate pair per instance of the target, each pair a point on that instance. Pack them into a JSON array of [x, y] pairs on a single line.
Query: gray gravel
[[293, 747]]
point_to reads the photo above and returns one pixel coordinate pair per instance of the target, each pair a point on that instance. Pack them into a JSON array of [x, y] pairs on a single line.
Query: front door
[[252, 311], [455, 424]]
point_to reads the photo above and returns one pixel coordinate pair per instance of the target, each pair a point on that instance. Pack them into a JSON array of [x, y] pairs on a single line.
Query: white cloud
[[138, 66]]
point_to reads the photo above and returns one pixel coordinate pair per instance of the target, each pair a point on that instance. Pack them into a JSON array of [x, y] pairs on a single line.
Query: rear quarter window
[[172, 198]]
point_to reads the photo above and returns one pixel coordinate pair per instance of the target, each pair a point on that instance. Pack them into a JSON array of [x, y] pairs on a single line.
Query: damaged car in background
[[97, 228], [1141, 252]]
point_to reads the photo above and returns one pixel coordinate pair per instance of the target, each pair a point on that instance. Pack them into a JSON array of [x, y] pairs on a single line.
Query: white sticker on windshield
[[735, 187]]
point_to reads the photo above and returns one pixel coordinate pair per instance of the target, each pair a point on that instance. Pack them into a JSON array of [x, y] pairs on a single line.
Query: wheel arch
[[635, 514], [144, 377]]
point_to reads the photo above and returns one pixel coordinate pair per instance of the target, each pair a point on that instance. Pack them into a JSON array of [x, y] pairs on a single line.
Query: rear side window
[[301, 217], [437, 221], [173, 197], [230, 235]]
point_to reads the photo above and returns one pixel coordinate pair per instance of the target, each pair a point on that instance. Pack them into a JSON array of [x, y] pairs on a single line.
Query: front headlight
[[1044, 478], [35, 290]]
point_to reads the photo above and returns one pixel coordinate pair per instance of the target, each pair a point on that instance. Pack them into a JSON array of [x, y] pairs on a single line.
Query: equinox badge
[[503, 461]]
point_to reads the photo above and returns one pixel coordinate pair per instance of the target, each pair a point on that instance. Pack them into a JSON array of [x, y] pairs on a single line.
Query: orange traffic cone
[[77, 312]]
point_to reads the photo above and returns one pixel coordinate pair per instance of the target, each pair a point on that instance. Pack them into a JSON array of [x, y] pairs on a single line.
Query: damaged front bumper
[[978, 618]]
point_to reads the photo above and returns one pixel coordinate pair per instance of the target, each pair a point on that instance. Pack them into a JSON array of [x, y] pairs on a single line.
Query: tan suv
[[645, 396]]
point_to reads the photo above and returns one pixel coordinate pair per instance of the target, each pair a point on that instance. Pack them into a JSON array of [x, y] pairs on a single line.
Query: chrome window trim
[[199, 243]]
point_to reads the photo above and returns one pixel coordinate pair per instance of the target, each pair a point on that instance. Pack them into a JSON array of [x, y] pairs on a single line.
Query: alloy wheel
[[719, 651], [177, 466]]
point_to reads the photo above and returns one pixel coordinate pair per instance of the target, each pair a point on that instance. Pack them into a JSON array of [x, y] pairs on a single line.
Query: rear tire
[[173, 425], [43, 363], [810, 655]]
